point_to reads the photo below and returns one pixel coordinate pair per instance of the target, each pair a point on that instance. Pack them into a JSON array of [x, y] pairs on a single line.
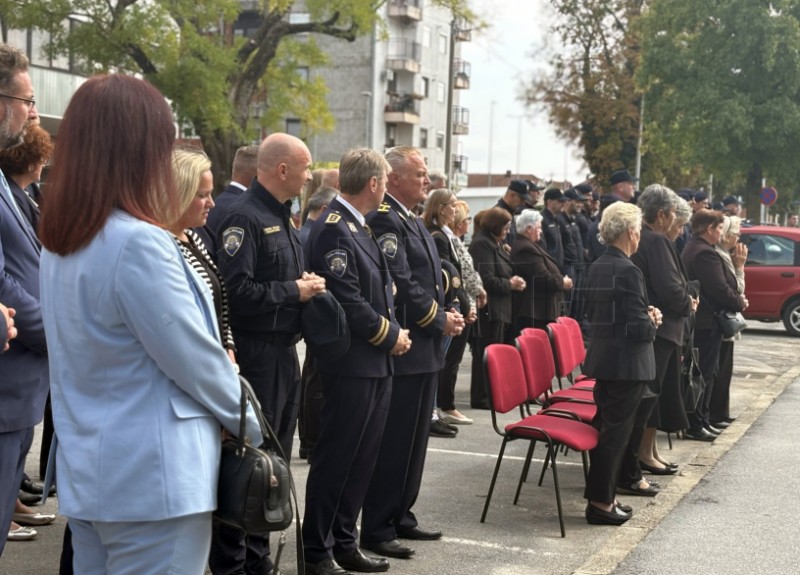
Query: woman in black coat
[[718, 292], [620, 357], [540, 302], [493, 264]]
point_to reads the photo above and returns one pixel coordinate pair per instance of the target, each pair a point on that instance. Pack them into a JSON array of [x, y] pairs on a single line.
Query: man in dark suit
[[619, 355], [242, 173], [24, 381], [357, 385], [7, 329], [415, 267]]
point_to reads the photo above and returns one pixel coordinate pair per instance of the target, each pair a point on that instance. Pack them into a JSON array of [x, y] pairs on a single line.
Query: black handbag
[[692, 382], [255, 487], [730, 322]]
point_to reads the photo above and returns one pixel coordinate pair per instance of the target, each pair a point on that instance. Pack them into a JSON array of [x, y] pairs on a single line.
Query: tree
[[589, 91], [214, 78], [723, 79]]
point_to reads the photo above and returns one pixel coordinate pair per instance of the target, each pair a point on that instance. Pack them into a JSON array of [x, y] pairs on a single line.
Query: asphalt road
[[525, 539]]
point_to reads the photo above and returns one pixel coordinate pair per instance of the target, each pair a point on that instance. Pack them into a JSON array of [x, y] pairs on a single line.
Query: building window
[[391, 135], [423, 137], [294, 127], [440, 92], [440, 140], [426, 87], [443, 41], [426, 36]]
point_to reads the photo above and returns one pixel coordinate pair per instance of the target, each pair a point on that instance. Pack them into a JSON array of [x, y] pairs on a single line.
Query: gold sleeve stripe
[[383, 332], [431, 315]]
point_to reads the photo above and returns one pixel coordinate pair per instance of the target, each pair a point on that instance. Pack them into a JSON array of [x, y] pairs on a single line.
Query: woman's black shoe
[[669, 470], [596, 516]]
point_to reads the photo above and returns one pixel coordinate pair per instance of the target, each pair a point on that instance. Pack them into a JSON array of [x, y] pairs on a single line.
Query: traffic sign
[[768, 196]]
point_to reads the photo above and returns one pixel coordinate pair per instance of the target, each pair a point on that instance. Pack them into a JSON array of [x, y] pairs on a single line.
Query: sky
[[510, 52]]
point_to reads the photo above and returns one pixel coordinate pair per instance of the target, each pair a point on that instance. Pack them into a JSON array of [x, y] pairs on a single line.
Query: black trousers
[[311, 400], [397, 478], [350, 437], [446, 391], [708, 342], [274, 373], [720, 401], [489, 333], [617, 406], [671, 414]]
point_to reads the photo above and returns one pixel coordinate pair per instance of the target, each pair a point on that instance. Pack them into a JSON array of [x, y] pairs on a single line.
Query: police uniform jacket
[[342, 251], [512, 232], [571, 239], [551, 232], [621, 333], [260, 261], [417, 272]]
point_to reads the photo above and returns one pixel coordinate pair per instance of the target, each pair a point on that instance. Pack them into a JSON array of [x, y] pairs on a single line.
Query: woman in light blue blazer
[[141, 386]]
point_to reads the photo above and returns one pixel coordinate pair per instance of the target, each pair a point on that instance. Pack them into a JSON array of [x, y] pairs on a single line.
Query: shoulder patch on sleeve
[[388, 245], [384, 208], [337, 262], [333, 218], [232, 240]]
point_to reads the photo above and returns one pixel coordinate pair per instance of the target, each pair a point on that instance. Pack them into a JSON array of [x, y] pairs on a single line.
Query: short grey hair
[[321, 198], [437, 176], [12, 62], [683, 211], [656, 197], [617, 219], [528, 219]]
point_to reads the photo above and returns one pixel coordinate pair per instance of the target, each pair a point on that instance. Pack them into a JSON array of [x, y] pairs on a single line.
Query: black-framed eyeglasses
[[31, 102]]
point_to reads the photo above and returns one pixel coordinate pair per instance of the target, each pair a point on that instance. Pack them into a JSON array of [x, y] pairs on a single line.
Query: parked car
[[772, 275]]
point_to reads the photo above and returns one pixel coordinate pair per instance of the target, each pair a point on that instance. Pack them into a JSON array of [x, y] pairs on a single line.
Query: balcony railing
[[462, 70], [408, 10], [401, 109], [404, 55], [460, 121], [459, 164], [462, 30]]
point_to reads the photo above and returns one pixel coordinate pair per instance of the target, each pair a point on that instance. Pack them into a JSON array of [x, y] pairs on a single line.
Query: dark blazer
[[551, 232], [447, 253], [28, 207], [417, 273], [621, 333], [495, 268], [544, 289], [355, 271], [666, 284], [717, 284], [24, 379]]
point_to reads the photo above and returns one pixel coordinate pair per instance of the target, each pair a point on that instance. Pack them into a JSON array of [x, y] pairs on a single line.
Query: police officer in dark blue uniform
[[357, 385], [551, 229], [263, 266], [513, 200], [415, 267]]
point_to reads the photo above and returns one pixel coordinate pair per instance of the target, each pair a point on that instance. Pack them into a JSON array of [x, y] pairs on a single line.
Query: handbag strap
[[249, 395]]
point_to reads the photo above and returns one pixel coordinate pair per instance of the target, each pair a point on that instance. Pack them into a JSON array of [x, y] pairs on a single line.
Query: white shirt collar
[[361, 219]]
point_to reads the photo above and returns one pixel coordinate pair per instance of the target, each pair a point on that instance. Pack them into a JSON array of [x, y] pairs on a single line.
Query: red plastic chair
[[569, 353], [508, 391], [578, 347], [543, 369]]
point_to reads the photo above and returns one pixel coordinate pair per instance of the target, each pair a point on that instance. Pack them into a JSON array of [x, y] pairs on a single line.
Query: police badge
[[388, 244], [337, 262], [232, 240]]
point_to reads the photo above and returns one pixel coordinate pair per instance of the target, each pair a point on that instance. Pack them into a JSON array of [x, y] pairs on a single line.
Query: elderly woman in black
[[718, 292], [667, 289], [493, 264], [540, 302], [620, 356]]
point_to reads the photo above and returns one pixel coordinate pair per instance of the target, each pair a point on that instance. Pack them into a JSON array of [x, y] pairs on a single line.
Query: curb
[[628, 536]]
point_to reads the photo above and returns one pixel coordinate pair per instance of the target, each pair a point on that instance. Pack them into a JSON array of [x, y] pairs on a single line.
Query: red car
[[772, 275]]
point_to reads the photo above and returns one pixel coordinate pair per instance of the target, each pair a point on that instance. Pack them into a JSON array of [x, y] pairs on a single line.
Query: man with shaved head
[[262, 263]]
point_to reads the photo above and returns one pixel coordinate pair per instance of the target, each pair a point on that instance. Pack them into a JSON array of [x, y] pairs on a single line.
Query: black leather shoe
[[729, 419], [419, 534], [712, 430], [327, 567], [29, 498], [355, 560], [658, 470], [480, 405], [720, 424], [636, 489], [701, 435], [440, 429], [391, 548], [596, 516], [29, 486], [624, 508]]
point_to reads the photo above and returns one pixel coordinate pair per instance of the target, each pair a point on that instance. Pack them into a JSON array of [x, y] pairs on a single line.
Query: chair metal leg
[[494, 478], [669, 440], [546, 462], [585, 458], [524, 475], [558, 495]]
